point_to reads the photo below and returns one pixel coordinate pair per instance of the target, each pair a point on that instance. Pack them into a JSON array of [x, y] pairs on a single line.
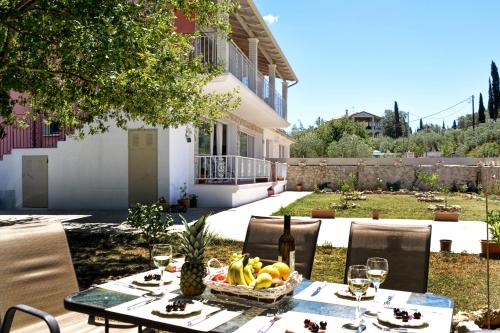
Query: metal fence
[[230, 169]]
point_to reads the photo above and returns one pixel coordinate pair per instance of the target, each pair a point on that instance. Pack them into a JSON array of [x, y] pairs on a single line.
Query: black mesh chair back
[[405, 247], [263, 234]]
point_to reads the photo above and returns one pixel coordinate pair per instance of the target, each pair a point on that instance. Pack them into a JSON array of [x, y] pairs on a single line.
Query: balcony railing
[[240, 66], [230, 169]]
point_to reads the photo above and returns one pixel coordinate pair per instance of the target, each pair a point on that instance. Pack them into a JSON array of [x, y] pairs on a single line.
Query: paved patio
[[232, 223]]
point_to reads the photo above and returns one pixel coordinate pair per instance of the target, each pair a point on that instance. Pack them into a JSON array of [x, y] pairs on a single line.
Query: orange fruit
[[283, 269]]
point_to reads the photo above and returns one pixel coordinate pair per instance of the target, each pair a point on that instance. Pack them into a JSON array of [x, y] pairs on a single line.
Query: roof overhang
[[246, 23]]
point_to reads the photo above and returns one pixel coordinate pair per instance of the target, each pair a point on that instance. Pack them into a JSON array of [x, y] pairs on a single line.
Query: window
[[204, 136], [282, 151], [53, 129], [246, 145]]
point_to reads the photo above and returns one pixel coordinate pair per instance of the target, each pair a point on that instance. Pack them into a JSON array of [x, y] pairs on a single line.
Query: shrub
[[349, 145], [490, 149]]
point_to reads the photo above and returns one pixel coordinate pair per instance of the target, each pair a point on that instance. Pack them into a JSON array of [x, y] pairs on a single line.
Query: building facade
[[225, 165], [374, 123]]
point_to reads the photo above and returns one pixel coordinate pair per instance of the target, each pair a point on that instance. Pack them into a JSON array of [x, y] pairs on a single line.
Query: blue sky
[[363, 55]]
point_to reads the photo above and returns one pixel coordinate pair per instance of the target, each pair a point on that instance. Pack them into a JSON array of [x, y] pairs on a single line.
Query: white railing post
[[272, 84], [236, 172], [253, 55], [223, 52]]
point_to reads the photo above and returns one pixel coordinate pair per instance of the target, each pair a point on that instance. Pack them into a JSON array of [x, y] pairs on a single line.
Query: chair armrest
[[9, 317]]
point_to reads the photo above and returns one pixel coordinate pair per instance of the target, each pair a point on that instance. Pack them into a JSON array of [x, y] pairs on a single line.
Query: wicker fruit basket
[[268, 296]]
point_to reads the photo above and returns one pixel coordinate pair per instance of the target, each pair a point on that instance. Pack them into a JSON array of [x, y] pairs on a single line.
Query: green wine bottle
[[286, 245]]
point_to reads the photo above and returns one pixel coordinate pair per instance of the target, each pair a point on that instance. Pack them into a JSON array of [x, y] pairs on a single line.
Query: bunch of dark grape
[[151, 277], [176, 306], [313, 327]]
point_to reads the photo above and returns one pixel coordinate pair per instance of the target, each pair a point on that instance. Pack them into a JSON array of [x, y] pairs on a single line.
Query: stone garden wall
[[396, 173]]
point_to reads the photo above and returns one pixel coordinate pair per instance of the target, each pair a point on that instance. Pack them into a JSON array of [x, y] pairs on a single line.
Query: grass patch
[[390, 206], [461, 277]]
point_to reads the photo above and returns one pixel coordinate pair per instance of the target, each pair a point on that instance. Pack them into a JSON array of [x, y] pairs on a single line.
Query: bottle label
[[280, 258], [292, 261]]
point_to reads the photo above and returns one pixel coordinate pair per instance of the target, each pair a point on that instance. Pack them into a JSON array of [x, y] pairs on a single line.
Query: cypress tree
[[481, 117], [490, 100], [443, 125], [397, 123], [495, 89], [421, 125], [454, 124]]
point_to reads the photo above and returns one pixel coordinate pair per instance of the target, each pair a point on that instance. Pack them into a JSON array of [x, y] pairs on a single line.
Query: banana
[[235, 273], [248, 274]]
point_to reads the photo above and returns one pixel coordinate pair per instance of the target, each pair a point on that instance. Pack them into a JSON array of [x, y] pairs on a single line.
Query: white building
[[225, 166]]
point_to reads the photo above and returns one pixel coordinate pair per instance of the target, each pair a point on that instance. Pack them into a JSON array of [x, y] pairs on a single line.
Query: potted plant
[[445, 245], [298, 187], [193, 200], [323, 213], [445, 212], [184, 200], [493, 245], [163, 204], [375, 214]]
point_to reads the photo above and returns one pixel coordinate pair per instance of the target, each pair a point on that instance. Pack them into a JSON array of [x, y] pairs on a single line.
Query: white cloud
[[270, 18]]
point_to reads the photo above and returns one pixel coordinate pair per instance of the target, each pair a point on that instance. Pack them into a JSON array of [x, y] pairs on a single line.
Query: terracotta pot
[[446, 216], [323, 213], [445, 245], [375, 214], [494, 248], [298, 188], [270, 192], [184, 203]]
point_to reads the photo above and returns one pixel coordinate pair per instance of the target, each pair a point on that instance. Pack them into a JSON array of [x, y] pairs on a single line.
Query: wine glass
[[161, 253], [358, 285], [377, 272]]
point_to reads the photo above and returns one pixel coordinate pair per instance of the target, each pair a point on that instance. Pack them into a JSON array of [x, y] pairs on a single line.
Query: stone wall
[[366, 174]]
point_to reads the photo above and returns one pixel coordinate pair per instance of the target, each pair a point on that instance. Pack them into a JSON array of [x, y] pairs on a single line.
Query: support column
[[272, 84], [223, 52], [219, 138], [372, 127], [253, 54], [284, 96]]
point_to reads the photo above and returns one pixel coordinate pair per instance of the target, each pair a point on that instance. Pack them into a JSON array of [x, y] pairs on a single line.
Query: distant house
[[374, 122]]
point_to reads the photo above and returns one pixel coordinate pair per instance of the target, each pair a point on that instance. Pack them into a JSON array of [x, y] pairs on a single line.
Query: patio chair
[[263, 234], [36, 276], [405, 247]]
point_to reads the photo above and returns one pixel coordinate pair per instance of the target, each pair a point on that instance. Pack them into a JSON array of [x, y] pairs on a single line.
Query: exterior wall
[[275, 140], [87, 174], [405, 173], [180, 163]]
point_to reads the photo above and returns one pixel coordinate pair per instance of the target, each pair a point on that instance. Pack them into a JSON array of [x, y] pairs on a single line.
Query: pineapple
[[194, 239]]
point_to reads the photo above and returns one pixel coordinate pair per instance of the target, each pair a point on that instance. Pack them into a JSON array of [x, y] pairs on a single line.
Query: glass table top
[[102, 298]]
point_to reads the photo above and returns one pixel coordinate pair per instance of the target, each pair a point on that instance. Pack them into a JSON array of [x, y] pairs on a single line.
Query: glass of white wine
[[162, 253], [378, 268], [358, 285]]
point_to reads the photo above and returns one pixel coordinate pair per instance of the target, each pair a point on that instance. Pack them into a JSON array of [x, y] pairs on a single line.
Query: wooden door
[[35, 181], [142, 166]]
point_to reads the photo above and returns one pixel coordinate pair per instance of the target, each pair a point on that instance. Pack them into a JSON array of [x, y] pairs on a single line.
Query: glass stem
[[358, 310], [161, 281], [375, 298]]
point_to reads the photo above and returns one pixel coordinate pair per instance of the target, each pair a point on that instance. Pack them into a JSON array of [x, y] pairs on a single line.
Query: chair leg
[[106, 325]]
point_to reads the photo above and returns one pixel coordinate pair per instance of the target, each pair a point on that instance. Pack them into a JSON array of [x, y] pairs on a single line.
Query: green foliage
[[148, 219], [489, 149], [349, 145], [93, 62], [495, 91], [390, 124], [307, 144], [493, 222], [481, 116], [345, 187], [429, 179], [183, 191]]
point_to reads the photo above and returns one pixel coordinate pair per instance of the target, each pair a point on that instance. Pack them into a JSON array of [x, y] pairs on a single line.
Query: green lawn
[[462, 277], [390, 206]]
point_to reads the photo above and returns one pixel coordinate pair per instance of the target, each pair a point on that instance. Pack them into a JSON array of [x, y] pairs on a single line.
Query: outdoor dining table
[[113, 299]]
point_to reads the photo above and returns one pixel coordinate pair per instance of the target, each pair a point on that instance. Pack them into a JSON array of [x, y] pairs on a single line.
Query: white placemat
[[327, 295], [120, 285], [204, 326]]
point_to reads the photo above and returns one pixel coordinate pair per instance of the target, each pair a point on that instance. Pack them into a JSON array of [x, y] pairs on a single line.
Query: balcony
[[216, 50], [231, 169]]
